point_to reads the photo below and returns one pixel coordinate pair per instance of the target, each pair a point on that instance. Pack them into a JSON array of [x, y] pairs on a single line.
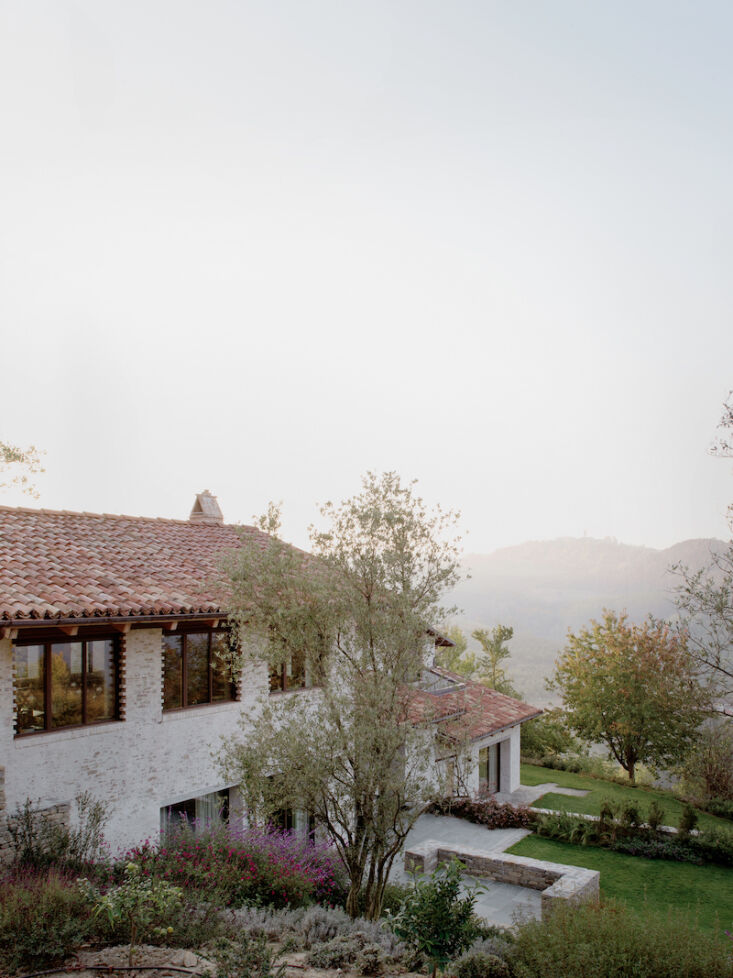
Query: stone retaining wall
[[556, 880]]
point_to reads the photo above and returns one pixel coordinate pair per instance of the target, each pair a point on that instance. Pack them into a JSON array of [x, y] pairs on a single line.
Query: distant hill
[[542, 588]]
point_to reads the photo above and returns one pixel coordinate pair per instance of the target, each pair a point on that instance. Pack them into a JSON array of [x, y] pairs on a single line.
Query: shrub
[[714, 845], [44, 916], [485, 810], [719, 807], [39, 843], [630, 817], [478, 964], [247, 957], [548, 736], [394, 897], [606, 941], [656, 848], [435, 919], [348, 949], [140, 906], [707, 773], [249, 866], [688, 820], [655, 816]]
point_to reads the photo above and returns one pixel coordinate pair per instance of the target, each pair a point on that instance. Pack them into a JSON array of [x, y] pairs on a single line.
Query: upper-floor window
[[292, 674], [196, 669], [65, 684]]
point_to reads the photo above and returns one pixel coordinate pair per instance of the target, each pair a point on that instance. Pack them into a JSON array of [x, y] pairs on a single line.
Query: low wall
[[556, 880]]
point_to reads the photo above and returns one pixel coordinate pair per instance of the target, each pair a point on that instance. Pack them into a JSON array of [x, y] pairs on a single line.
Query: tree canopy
[[355, 612], [631, 688]]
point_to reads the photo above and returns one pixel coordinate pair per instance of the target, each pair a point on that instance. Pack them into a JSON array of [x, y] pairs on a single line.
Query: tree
[[457, 658], [705, 600], [16, 465], [356, 613], [630, 687], [489, 671]]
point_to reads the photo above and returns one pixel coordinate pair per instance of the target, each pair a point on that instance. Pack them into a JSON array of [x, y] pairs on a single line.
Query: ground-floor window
[[294, 820], [200, 812], [489, 768]]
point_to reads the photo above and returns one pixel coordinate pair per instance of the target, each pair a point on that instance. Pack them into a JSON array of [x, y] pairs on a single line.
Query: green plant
[[40, 842], [247, 957], [688, 820], [139, 905], [630, 817], [655, 816], [478, 964], [435, 919], [44, 916], [608, 941]]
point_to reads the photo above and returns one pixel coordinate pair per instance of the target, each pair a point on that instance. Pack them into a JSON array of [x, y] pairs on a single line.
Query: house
[[110, 679]]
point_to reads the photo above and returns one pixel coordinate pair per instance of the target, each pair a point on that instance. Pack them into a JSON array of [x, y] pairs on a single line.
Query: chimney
[[206, 509]]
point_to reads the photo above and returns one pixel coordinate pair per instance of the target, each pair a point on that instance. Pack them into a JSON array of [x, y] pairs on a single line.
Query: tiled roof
[[465, 709], [88, 565]]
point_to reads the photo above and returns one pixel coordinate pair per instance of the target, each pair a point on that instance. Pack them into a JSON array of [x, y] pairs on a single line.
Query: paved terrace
[[498, 903]]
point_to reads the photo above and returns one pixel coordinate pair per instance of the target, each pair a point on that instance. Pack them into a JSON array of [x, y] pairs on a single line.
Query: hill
[[544, 588]]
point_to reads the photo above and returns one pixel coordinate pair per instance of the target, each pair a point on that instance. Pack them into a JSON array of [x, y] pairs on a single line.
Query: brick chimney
[[206, 509]]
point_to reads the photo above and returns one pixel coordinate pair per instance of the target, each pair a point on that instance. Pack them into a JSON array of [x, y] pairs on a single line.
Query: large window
[[65, 684], [197, 813], [196, 669]]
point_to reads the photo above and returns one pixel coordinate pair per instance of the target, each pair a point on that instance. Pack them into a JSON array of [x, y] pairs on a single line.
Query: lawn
[[706, 891], [590, 804]]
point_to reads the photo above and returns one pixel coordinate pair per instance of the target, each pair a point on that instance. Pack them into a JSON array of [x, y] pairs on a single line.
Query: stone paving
[[497, 903]]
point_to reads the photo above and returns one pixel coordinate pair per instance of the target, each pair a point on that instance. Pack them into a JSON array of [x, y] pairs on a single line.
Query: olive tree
[[353, 615]]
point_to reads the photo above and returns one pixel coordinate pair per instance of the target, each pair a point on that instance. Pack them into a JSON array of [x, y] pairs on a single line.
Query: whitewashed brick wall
[[138, 765]]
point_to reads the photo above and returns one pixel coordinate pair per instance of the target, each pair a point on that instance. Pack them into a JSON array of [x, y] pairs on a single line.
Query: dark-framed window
[[68, 683], [196, 669], [290, 675]]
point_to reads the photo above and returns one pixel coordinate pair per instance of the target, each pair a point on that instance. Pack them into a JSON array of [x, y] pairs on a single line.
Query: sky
[[262, 248]]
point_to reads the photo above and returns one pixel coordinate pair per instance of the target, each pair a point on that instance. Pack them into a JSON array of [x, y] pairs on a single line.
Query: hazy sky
[[263, 247]]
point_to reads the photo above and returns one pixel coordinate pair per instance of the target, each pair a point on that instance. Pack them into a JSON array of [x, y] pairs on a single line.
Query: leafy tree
[[705, 600], [707, 772], [356, 613], [17, 465], [457, 658], [494, 651], [548, 735], [630, 686]]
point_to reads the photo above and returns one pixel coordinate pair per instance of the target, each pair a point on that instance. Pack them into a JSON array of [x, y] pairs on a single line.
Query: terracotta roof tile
[[83, 565], [466, 709]]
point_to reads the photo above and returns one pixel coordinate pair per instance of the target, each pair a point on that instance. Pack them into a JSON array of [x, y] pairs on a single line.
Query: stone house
[[110, 680]]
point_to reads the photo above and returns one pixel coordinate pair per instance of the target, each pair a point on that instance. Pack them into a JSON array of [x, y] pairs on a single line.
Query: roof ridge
[[118, 516]]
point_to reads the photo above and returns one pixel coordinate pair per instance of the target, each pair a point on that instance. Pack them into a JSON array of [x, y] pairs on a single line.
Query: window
[[290, 675], [195, 669], [199, 813], [65, 684]]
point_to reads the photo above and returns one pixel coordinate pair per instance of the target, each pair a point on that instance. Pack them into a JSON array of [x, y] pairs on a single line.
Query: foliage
[[457, 658], [485, 810], [44, 916], [237, 866], [356, 613], [349, 949], [435, 919], [493, 652], [22, 463], [688, 820], [655, 816], [247, 957], [705, 600], [38, 842], [140, 905], [707, 772], [479, 964], [720, 807], [606, 940], [548, 736], [630, 687]]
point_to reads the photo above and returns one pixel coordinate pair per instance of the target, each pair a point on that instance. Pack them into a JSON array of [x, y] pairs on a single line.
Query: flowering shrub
[[261, 867]]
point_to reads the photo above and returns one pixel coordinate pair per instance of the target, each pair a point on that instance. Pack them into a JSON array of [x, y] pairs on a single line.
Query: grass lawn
[[590, 804], [706, 891]]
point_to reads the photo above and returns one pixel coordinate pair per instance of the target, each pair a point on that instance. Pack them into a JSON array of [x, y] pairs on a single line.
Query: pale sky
[[261, 248]]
